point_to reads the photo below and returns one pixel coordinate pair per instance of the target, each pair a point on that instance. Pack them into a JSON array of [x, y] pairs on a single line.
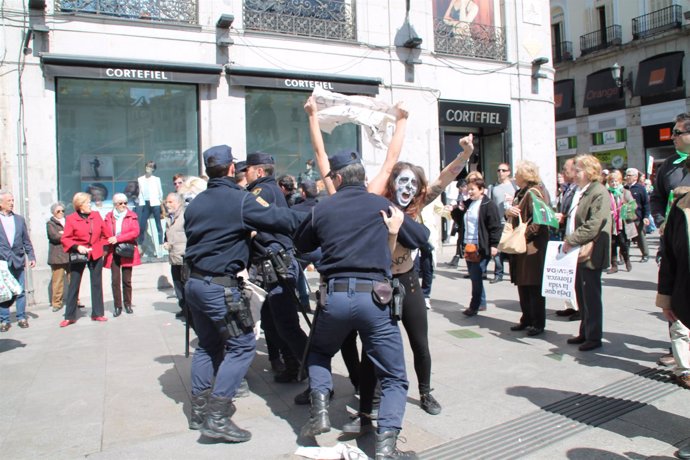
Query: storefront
[[488, 122], [275, 120], [113, 116]]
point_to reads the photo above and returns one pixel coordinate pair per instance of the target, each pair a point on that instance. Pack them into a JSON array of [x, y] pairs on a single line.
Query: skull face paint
[[405, 187]]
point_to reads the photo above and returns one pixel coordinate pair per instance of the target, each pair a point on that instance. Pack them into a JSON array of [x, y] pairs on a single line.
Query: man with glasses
[[15, 247], [670, 175], [178, 180], [502, 193], [639, 192]]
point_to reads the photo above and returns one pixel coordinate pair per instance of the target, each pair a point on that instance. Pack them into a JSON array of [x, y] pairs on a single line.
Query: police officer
[[355, 270], [218, 224], [280, 314]]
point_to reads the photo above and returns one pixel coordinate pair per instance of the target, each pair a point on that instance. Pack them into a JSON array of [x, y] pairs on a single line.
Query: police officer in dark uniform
[[218, 224], [280, 301], [356, 293]]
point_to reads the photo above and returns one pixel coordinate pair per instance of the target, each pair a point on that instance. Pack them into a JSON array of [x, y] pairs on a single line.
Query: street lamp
[[616, 74]]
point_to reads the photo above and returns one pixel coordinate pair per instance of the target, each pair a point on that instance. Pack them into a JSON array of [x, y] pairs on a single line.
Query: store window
[[277, 124], [107, 131]]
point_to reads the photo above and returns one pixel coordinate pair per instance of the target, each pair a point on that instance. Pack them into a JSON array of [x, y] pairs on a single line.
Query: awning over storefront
[[63, 65], [470, 114], [299, 81], [564, 98], [660, 74], [602, 90]]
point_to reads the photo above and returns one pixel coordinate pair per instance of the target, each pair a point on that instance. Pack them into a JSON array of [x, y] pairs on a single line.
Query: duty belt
[[225, 281], [361, 286]]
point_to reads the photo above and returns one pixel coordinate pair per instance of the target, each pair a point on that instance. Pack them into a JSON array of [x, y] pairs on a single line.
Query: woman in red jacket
[[124, 225], [84, 238]]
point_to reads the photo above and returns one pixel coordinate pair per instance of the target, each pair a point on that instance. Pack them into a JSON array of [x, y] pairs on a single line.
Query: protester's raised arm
[[451, 171], [378, 184], [320, 154]]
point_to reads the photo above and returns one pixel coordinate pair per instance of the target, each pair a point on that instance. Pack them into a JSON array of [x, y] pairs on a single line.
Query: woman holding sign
[[588, 226], [526, 270]]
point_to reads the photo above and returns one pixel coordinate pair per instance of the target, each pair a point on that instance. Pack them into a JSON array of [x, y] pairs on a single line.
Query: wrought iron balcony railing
[[329, 19], [562, 52], [179, 11], [600, 39], [469, 39], [657, 22]]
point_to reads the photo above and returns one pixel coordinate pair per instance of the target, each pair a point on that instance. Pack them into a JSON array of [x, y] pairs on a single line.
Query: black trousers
[[178, 285], [121, 283], [96, 272], [588, 293], [533, 306]]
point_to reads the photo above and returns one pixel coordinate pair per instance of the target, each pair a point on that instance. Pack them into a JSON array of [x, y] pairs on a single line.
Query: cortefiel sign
[[455, 113]]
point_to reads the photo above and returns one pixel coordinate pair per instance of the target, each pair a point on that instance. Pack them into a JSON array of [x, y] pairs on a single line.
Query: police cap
[[259, 158], [344, 158], [218, 155], [241, 166]]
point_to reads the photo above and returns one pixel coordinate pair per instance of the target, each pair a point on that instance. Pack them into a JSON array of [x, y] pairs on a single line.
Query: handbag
[[513, 239], [78, 258], [585, 252], [125, 250], [472, 253]]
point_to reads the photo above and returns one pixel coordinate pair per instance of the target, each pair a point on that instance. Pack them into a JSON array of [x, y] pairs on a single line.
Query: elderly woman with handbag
[[481, 237], [588, 226], [526, 268], [83, 239], [57, 258], [123, 254]]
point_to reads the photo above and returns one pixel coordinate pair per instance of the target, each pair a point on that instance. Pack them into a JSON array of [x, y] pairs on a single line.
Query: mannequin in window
[[150, 197]]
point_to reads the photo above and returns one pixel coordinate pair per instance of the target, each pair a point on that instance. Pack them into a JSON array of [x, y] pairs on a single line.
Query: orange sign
[[665, 134], [558, 100], [656, 76]]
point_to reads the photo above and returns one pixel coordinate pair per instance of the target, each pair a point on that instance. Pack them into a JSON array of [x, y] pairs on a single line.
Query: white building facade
[[625, 122], [92, 90]]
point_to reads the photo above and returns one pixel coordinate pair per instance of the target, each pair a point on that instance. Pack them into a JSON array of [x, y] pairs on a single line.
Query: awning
[[564, 98], [63, 65], [300, 81], [659, 74], [602, 90]]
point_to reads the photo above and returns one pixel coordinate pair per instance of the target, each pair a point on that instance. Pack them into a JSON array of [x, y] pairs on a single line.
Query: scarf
[[682, 156], [617, 192], [119, 217]]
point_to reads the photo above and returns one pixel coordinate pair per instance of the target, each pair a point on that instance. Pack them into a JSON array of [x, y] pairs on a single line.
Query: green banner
[[542, 214]]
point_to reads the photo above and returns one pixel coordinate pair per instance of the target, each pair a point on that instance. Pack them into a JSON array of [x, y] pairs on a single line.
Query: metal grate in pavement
[[554, 422]]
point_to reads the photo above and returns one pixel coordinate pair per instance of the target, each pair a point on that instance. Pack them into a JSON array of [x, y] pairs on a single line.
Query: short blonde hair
[[473, 176], [79, 199], [615, 174], [529, 171], [590, 165]]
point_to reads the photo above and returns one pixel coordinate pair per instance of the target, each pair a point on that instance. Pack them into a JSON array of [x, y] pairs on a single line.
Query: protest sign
[[559, 272]]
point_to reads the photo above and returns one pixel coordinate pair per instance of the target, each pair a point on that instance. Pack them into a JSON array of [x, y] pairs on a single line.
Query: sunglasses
[[676, 132], [120, 202], [503, 170], [59, 210]]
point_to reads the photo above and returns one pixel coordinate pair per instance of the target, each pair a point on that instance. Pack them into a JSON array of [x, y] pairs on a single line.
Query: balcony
[[600, 39], [469, 39], [327, 19], [172, 11], [562, 52], [657, 22]]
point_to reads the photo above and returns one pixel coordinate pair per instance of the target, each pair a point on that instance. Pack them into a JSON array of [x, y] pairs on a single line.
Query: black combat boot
[[386, 448], [199, 404], [218, 424], [319, 422]]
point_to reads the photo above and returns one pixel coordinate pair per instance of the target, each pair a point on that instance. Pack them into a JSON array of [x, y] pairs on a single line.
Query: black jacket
[[489, 223], [639, 192], [668, 177]]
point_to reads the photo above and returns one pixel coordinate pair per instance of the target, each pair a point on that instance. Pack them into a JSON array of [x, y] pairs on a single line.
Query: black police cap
[[259, 158], [218, 155], [344, 158]]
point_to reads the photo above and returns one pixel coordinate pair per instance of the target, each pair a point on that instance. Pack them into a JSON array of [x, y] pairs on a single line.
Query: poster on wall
[[96, 168], [462, 14]]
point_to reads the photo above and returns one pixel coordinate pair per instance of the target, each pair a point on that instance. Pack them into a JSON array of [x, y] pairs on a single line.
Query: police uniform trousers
[[381, 339], [227, 360], [281, 303]]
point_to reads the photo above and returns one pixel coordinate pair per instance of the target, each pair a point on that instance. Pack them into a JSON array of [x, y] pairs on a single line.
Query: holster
[[398, 298], [275, 266], [238, 319]]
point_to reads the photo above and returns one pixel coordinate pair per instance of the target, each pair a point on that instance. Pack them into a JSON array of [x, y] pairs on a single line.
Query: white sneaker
[[427, 302]]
